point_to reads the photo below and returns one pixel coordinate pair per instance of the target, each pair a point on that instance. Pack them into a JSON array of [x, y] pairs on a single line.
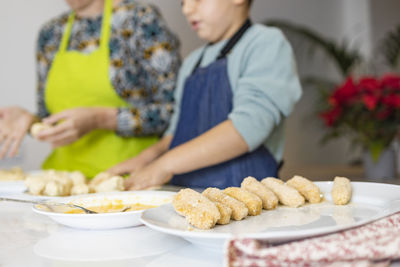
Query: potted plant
[[367, 110]]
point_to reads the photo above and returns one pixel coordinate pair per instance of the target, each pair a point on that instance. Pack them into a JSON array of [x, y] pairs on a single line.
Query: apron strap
[[106, 25], [105, 28], [229, 46], [234, 40], [67, 33]]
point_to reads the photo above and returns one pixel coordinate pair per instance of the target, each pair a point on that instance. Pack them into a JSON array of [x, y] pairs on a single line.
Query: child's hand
[[154, 174], [129, 166]]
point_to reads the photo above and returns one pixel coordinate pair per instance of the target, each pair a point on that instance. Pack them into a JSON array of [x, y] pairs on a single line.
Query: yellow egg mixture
[[115, 206]]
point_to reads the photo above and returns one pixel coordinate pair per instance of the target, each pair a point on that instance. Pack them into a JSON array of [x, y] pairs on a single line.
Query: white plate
[[12, 187], [370, 201], [108, 220], [75, 245]]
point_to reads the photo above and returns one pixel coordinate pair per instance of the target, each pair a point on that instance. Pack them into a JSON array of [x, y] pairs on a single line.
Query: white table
[[34, 240], [30, 239]]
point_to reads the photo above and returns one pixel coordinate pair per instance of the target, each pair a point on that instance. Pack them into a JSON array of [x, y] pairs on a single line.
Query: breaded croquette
[[341, 191], [269, 199], [252, 201], [307, 188], [239, 209], [198, 210], [287, 195], [225, 212], [276, 180]]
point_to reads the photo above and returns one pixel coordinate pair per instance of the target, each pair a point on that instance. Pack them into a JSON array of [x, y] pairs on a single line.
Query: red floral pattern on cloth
[[374, 244]]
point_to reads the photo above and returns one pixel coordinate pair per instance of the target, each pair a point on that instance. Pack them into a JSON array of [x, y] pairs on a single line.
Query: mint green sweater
[[264, 82]]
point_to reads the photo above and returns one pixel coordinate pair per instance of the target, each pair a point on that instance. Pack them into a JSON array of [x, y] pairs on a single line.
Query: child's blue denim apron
[[206, 102]]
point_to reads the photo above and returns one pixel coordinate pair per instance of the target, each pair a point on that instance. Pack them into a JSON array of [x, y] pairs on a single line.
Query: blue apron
[[206, 102]]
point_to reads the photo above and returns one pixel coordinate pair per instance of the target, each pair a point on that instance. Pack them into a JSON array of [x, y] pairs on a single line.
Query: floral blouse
[[144, 62]]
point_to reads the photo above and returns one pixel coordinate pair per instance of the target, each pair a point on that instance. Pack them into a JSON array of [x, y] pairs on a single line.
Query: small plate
[[370, 201], [113, 220], [67, 244], [12, 187]]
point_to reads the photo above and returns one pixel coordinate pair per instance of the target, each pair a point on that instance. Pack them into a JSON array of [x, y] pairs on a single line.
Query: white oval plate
[[370, 201], [114, 220]]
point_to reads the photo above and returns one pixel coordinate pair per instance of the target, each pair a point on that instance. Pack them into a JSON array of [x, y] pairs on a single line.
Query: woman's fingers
[[49, 135], [15, 146], [5, 147], [3, 137], [53, 119], [64, 138], [60, 135], [14, 124]]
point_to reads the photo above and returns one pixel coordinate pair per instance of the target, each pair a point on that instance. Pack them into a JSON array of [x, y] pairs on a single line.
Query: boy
[[231, 98]]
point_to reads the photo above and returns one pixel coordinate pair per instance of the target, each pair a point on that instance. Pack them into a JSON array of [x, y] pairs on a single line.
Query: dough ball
[[55, 188], [77, 178], [37, 127], [115, 183], [80, 189], [35, 185]]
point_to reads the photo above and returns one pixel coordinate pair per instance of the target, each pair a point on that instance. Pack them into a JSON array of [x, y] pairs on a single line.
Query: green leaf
[[376, 148], [391, 48], [344, 58]]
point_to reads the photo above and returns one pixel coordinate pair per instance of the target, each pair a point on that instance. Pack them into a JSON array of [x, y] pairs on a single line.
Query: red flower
[[370, 101], [369, 108], [392, 101], [391, 81], [369, 84], [344, 94], [331, 116]]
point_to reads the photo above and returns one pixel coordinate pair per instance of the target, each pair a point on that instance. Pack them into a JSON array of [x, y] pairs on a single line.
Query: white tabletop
[[30, 239]]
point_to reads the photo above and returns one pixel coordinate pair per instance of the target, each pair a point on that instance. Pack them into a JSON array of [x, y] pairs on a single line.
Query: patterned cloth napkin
[[374, 244]]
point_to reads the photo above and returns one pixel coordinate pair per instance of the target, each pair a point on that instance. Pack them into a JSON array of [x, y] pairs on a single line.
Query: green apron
[[81, 80]]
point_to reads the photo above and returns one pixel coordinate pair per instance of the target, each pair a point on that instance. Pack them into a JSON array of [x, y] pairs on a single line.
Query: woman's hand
[[154, 174], [72, 124], [14, 124]]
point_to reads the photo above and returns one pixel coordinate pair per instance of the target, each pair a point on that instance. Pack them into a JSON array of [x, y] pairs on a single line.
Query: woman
[[106, 72]]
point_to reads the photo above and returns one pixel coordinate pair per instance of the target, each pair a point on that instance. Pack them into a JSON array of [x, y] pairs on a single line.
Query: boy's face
[[213, 20]]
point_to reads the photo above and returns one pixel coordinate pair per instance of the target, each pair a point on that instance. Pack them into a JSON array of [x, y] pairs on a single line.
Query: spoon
[[48, 204]]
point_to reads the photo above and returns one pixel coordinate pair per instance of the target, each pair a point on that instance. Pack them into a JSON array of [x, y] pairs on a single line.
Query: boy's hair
[[250, 2]]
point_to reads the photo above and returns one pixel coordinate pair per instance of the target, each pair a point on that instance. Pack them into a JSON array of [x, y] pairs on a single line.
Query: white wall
[[20, 21], [380, 27], [387, 9], [341, 19]]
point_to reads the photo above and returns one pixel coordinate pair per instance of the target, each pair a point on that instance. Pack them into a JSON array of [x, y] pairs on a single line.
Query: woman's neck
[[93, 8]]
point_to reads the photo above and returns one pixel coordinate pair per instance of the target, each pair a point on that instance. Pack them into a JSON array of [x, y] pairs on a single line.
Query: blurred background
[[360, 24]]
